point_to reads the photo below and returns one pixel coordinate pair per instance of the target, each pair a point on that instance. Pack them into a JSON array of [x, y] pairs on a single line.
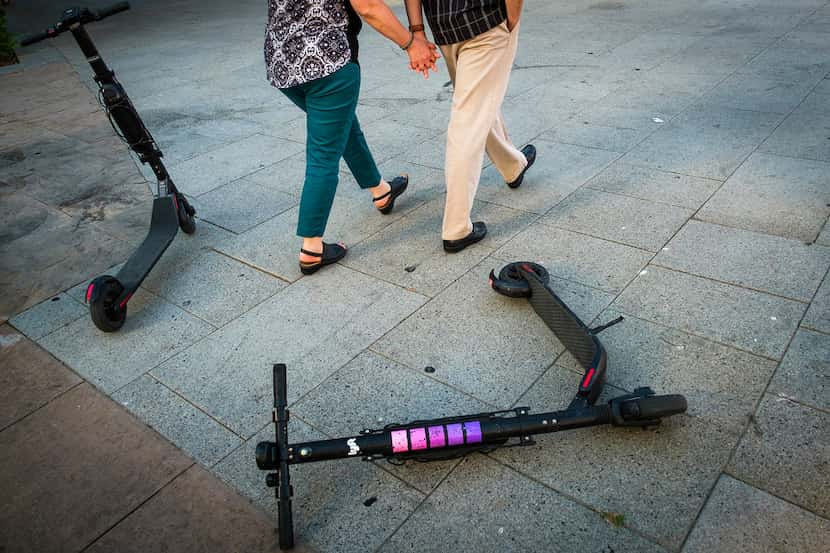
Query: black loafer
[[397, 186], [529, 152], [455, 246]]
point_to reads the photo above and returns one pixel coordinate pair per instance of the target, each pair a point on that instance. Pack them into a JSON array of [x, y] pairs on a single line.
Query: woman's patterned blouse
[[305, 40]]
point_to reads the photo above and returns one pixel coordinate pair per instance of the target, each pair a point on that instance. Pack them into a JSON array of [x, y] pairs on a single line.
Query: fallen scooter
[[107, 295], [444, 438]]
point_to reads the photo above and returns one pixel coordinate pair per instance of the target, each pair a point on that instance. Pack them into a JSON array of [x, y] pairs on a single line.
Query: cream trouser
[[480, 70]]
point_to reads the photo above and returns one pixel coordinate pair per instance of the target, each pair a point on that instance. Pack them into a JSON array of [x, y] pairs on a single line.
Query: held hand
[[422, 56]]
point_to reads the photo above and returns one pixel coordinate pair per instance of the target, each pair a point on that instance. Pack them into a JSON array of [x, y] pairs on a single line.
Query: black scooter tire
[[185, 212], [106, 315], [512, 284]]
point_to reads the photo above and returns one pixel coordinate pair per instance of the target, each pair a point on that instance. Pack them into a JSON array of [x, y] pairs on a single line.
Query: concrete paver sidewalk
[[682, 182]]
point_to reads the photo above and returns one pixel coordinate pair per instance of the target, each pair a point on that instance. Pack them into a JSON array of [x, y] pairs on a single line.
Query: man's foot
[[385, 202], [529, 152], [313, 261], [455, 246]]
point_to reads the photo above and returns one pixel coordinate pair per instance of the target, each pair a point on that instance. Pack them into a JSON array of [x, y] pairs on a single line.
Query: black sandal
[[396, 188], [332, 253]]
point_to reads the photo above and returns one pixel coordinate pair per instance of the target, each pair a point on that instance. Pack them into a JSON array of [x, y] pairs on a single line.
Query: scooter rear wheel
[[186, 212], [102, 295]]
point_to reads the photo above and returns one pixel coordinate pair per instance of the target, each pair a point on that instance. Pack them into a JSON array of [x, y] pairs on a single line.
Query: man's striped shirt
[[454, 21]]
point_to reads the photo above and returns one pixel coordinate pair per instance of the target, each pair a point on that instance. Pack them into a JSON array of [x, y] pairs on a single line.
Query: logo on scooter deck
[[354, 449], [434, 437]]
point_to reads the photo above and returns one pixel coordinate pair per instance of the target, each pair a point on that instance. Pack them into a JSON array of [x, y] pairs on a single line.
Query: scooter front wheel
[[102, 294]]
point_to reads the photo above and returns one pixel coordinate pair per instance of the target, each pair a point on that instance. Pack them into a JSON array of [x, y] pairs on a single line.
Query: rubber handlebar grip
[[31, 39], [657, 407]]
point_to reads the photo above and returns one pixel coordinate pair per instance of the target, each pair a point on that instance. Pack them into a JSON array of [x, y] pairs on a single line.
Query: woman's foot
[[316, 254], [384, 194]]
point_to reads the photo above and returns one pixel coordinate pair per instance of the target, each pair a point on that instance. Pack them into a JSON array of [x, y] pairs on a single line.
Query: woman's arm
[[422, 53]]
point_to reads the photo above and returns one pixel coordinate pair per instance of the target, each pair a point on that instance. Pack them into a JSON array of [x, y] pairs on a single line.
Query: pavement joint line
[[256, 268], [603, 238], [762, 232], [61, 394], [812, 329], [140, 504], [194, 405], [734, 284], [773, 494], [577, 500], [749, 420], [800, 158], [375, 277], [415, 510], [700, 336]]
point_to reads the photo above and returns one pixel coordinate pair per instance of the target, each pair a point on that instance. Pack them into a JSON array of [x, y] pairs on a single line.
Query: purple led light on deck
[[473, 430], [455, 435], [418, 438], [436, 436], [399, 442]]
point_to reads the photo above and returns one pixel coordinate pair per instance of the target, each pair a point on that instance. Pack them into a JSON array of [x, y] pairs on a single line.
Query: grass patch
[[617, 520], [7, 42]]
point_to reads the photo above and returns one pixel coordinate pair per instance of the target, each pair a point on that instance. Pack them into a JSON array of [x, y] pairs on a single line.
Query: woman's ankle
[[311, 245]]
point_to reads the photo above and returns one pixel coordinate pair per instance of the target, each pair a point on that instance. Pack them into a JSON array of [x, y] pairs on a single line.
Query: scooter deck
[[164, 224]]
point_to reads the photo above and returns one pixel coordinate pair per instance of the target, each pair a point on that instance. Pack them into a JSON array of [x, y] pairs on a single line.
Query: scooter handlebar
[[73, 16], [37, 37]]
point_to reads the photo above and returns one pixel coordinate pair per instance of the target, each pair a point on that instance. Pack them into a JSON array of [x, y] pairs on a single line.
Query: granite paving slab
[[591, 261], [705, 141], [315, 326], [286, 176], [559, 170], [804, 374], [773, 194], [754, 260], [48, 316], [30, 377], [809, 64], [409, 252], [656, 479], [652, 184], [154, 331], [177, 420], [205, 172], [740, 517], [818, 315], [372, 392], [661, 91], [805, 133], [341, 506], [582, 132], [786, 451], [470, 335], [749, 320], [197, 514], [484, 506], [214, 287], [631, 221], [241, 205], [760, 93], [108, 465]]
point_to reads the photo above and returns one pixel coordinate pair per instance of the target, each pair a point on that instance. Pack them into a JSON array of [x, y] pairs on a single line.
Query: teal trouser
[[333, 133]]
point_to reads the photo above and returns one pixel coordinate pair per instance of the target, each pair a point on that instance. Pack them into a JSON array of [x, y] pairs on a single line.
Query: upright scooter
[[107, 296]]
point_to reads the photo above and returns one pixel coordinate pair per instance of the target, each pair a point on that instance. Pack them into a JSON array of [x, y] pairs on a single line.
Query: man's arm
[[514, 12], [414, 12], [377, 14]]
